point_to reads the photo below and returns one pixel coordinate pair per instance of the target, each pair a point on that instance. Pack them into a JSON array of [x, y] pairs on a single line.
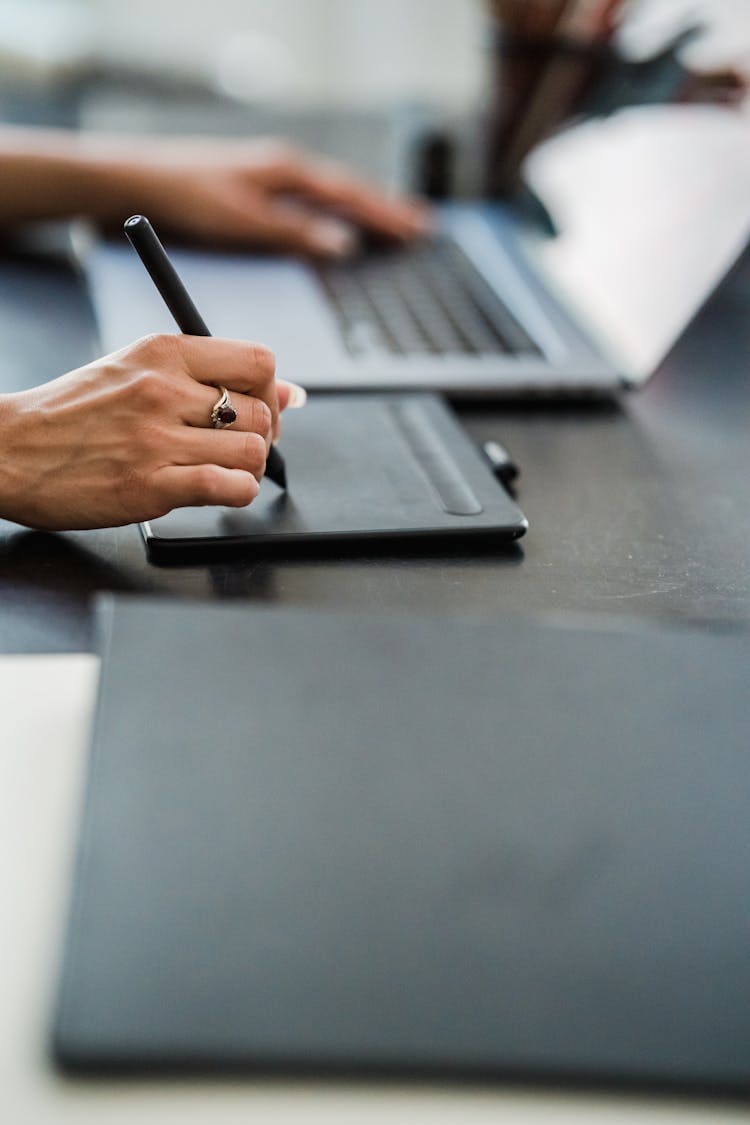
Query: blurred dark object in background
[[435, 165], [554, 61]]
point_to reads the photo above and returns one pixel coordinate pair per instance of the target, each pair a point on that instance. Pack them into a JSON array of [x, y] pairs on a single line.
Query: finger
[[213, 361], [241, 365], [291, 397], [327, 183], [252, 414], [232, 449], [277, 224], [199, 485], [198, 402]]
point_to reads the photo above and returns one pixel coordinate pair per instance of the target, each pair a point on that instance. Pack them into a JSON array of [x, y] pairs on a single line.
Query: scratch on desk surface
[[666, 588]]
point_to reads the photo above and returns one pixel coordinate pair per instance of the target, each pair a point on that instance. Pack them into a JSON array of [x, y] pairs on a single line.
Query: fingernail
[[297, 396], [336, 239]]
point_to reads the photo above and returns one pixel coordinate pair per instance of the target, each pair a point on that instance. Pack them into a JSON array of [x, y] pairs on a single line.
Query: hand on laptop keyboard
[[257, 192]]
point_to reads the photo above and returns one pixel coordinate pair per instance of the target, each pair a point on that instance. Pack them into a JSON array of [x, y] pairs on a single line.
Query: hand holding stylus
[[144, 241], [128, 437]]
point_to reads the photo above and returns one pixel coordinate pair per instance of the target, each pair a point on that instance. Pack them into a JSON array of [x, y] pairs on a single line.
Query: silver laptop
[[488, 306]]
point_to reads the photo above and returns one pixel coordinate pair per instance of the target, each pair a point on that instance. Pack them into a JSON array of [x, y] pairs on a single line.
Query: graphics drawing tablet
[[360, 469]]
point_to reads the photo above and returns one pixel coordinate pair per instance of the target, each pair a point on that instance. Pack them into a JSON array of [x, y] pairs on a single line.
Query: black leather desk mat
[[324, 841]]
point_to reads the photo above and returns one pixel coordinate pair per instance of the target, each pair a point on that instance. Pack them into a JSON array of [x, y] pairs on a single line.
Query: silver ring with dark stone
[[223, 413]]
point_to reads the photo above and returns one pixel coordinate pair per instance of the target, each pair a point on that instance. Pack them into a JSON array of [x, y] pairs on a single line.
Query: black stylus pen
[[143, 239]]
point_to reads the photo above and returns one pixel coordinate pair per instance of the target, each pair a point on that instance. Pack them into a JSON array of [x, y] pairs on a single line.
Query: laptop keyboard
[[429, 299]]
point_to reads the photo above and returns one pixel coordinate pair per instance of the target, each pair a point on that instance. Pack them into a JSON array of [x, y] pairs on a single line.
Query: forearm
[[47, 174]]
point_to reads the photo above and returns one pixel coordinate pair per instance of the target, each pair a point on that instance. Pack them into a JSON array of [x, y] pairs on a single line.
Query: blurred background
[[315, 70], [319, 52], [334, 52], [109, 64], [623, 125]]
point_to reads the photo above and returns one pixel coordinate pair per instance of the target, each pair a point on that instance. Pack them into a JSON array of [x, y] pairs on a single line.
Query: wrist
[[120, 178], [7, 455]]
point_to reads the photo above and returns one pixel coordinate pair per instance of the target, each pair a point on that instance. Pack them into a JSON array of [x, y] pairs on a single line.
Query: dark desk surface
[[640, 508]]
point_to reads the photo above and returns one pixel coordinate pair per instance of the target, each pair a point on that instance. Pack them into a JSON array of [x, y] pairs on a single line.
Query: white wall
[[342, 51], [359, 52]]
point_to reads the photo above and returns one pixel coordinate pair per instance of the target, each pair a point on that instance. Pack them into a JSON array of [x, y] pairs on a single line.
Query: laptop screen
[[653, 207]]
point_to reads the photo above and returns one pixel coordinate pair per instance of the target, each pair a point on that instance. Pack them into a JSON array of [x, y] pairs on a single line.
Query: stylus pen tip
[[275, 467]]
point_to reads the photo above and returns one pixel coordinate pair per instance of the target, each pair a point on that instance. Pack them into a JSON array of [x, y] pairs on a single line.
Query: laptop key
[[426, 299]]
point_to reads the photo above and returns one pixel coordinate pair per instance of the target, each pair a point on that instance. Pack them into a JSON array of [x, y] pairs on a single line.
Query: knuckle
[[260, 417], [245, 492], [149, 387], [250, 492], [208, 484], [336, 173], [262, 361], [157, 347], [254, 454], [285, 156], [111, 370]]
